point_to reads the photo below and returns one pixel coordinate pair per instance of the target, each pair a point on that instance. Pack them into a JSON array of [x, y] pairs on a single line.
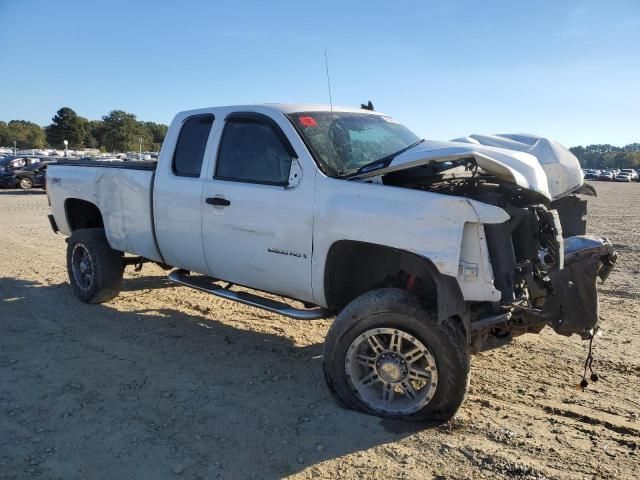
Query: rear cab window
[[191, 144]]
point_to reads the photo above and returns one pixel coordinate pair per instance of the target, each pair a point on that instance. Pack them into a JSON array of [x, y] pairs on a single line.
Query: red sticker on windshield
[[307, 121]]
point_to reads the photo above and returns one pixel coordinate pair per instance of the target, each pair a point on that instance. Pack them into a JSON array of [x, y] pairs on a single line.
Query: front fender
[[427, 224]]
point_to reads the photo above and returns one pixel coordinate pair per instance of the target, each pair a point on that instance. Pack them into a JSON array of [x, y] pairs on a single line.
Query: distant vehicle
[[606, 175], [590, 174], [29, 176], [11, 163], [623, 177], [631, 172], [33, 176]]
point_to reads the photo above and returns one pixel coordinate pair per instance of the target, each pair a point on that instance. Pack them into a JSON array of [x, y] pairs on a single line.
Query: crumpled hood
[[525, 160], [562, 167]]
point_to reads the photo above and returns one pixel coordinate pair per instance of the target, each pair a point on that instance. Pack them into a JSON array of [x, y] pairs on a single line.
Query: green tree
[[156, 132], [121, 131], [608, 156], [4, 139], [622, 160], [579, 153], [67, 125], [95, 134], [26, 134]]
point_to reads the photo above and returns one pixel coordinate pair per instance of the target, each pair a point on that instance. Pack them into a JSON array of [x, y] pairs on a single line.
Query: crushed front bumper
[[572, 304]]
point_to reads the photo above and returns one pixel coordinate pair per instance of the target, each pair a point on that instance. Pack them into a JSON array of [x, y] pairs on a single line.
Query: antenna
[[326, 66]]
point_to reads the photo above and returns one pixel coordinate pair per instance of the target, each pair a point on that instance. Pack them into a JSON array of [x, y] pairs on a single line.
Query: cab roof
[[285, 108]]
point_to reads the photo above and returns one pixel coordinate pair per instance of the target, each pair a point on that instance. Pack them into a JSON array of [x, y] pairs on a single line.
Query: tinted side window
[[192, 141], [17, 163], [251, 151]]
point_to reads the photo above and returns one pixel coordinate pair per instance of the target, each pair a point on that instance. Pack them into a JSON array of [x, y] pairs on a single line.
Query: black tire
[[25, 183], [392, 308], [101, 279]]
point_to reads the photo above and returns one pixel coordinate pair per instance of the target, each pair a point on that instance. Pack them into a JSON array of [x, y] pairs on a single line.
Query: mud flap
[[573, 301]]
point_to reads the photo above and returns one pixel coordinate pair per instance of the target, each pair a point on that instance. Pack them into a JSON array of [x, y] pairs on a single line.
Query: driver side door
[[257, 216]]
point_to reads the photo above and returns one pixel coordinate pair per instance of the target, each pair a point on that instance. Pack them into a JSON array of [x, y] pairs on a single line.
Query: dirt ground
[[167, 382]]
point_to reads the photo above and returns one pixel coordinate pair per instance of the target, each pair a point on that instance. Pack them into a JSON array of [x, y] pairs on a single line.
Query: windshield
[[344, 142]]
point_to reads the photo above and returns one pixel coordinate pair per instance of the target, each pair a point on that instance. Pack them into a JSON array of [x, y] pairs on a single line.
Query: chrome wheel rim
[[391, 371], [25, 183], [82, 266]]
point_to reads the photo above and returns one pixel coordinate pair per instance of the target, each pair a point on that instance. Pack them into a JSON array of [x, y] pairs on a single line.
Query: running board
[[206, 284]]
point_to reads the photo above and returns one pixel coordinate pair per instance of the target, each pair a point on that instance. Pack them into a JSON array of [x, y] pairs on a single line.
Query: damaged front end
[[544, 264], [572, 305], [546, 276]]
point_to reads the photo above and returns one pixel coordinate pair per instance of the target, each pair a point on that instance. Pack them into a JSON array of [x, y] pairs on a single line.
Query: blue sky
[[569, 70]]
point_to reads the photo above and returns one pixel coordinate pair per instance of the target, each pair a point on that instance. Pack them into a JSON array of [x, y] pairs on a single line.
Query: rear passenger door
[[257, 217], [177, 196]]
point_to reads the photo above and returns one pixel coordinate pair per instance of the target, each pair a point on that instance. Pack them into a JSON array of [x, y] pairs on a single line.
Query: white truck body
[[428, 250], [277, 238], [304, 221]]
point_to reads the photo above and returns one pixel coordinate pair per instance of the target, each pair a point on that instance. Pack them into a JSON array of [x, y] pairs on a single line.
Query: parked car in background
[[31, 175], [34, 175], [623, 177], [590, 174], [606, 175], [632, 173], [10, 164]]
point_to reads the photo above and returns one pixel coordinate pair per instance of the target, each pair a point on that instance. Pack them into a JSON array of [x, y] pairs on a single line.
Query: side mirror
[[295, 174]]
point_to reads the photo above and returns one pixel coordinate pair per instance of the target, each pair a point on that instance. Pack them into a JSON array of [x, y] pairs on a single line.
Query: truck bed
[[122, 191]]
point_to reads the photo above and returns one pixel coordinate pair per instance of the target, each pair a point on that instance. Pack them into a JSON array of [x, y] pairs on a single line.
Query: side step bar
[[206, 284]]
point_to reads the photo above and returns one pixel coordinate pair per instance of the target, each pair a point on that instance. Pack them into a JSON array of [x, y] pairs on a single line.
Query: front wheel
[[387, 355], [95, 269], [25, 183]]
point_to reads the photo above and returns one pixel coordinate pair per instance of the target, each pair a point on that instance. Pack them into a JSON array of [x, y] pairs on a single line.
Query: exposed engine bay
[[544, 264]]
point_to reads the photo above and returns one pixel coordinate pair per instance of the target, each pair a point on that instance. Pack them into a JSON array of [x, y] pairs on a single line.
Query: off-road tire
[[25, 183], [396, 308], [105, 262]]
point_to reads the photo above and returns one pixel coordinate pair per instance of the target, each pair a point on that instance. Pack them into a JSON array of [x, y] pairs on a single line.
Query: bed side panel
[[123, 197]]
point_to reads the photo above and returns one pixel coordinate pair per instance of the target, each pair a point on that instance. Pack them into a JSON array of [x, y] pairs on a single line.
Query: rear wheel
[[25, 183], [95, 269], [387, 355]]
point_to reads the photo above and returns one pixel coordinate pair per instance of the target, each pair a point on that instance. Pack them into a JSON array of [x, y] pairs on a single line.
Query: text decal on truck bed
[[287, 252]]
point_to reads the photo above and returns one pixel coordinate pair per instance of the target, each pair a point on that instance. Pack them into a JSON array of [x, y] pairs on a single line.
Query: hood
[[524, 160], [562, 168]]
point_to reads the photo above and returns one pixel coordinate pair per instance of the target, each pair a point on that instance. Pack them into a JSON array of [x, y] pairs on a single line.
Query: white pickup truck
[[426, 251]]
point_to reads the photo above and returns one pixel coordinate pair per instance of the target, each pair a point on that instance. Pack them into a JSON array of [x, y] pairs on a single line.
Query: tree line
[[608, 156], [118, 131]]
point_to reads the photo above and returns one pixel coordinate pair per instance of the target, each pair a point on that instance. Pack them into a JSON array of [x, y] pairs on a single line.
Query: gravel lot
[[167, 382]]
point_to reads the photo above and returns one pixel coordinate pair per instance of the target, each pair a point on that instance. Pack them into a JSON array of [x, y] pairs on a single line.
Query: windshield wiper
[[381, 162]]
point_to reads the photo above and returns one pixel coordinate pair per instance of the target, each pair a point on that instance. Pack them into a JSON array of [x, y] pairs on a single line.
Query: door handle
[[218, 201]]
